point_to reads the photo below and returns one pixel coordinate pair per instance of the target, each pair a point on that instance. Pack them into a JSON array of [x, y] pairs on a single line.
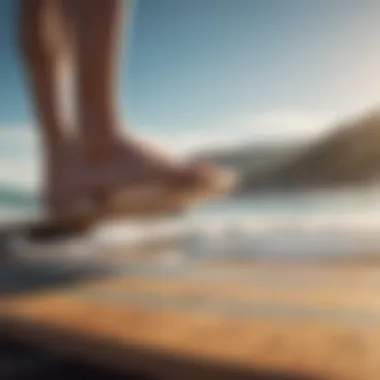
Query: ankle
[[99, 149], [99, 136]]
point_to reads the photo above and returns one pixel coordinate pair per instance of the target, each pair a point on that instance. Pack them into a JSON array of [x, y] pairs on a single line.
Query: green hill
[[350, 155]]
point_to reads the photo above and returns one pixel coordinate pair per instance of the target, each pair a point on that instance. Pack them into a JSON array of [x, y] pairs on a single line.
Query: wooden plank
[[299, 319]]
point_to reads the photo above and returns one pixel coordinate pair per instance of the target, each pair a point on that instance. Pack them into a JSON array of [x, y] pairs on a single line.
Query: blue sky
[[221, 71]]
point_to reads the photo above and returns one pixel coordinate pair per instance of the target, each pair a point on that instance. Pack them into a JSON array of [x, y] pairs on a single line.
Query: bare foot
[[139, 165], [79, 178], [134, 162]]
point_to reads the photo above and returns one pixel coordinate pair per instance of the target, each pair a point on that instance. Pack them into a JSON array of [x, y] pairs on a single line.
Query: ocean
[[308, 225]]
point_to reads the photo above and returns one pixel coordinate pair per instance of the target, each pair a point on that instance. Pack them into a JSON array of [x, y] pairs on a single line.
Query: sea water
[[309, 224]]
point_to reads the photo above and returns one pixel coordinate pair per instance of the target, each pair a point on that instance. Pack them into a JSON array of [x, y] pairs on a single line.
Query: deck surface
[[313, 321]]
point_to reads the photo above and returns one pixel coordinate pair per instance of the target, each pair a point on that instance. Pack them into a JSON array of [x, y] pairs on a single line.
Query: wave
[[309, 226], [17, 200], [249, 238]]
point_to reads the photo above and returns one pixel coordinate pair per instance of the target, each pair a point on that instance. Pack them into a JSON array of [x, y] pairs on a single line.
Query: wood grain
[[307, 320]]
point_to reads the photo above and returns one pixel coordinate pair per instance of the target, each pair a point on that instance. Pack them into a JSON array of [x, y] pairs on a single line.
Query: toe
[[199, 174]]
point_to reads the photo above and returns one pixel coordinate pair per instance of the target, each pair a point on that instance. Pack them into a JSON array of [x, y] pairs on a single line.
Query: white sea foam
[[334, 227], [249, 237]]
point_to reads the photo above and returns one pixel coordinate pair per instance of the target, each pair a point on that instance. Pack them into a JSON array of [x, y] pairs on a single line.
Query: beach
[[268, 279]]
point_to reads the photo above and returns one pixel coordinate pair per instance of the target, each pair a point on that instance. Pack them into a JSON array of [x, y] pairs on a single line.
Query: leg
[[42, 55], [114, 162], [98, 28], [44, 46]]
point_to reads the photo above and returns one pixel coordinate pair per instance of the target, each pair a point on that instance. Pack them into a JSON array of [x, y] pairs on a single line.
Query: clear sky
[[222, 70]]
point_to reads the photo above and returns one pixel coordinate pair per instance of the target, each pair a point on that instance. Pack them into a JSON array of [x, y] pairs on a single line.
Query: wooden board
[[206, 320]]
